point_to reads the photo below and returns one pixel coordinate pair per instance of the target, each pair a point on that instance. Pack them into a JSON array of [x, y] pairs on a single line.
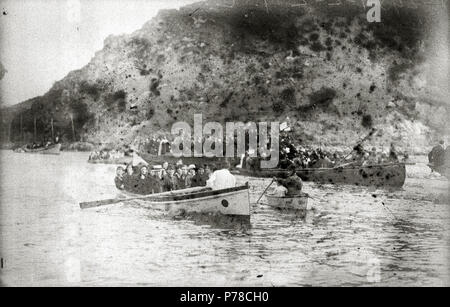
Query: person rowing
[[293, 183]]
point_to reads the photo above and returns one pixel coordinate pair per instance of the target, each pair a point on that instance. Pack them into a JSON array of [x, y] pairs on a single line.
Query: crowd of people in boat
[[106, 155], [145, 179], [308, 157], [46, 143]]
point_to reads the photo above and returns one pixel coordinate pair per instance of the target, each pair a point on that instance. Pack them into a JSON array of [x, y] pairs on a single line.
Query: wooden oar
[[264, 191], [106, 202]]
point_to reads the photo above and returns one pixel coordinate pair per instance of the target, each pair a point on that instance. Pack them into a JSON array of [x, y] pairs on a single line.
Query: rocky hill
[[333, 74]]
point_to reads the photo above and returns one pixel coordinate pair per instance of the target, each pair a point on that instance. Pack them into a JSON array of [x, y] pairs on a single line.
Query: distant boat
[[380, 175], [122, 160], [49, 150]]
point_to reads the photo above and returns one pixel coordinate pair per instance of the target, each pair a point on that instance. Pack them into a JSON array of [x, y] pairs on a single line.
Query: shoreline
[[89, 147]]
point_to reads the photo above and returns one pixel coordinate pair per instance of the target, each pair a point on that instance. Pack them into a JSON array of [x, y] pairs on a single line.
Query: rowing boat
[[49, 150], [380, 175], [297, 202], [231, 201]]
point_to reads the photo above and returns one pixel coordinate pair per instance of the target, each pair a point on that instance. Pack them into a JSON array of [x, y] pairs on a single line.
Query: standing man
[[119, 180], [393, 156]]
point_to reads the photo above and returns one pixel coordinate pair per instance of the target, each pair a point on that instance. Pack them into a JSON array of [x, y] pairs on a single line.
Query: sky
[[41, 41]]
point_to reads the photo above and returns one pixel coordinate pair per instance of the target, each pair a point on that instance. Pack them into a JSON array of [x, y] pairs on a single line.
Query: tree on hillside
[[76, 112], [38, 113]]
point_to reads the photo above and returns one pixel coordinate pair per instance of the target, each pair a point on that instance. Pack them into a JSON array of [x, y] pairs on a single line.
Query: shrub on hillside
[[367, 121], [323, 97]]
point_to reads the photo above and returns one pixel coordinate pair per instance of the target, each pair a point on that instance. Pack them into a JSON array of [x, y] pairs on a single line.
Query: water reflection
[[346, 238]]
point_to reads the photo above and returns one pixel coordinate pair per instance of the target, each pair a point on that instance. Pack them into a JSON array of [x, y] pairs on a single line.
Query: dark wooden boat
[[381, 175], [49, 150]]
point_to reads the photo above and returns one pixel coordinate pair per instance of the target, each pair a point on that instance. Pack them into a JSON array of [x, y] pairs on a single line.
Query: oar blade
[[100, 203]]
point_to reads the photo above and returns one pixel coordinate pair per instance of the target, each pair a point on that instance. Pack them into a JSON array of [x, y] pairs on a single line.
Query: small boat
[[123, 160], [380, 175], [297, 202], [49, 150], [231, 201]]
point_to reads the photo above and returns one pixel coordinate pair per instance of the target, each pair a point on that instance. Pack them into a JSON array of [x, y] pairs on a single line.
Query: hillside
[[334, 75]]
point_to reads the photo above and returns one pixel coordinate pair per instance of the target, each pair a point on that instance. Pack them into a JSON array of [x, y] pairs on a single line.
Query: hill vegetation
[[329, 71]]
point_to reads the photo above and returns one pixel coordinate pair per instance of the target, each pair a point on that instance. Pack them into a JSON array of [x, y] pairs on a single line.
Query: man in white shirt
[[221, 179], [280, 190]]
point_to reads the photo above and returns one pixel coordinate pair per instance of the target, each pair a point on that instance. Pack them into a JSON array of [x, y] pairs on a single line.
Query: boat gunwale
[[324, 168], [302, 195], [188, 200], [39, 150], [192, 195]]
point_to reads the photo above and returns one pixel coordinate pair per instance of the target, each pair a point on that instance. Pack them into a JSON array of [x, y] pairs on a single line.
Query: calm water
[[347, 238]]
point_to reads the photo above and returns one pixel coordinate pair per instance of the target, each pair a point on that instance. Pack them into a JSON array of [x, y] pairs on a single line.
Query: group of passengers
[[43, 144], [144, 179], [106, 155], [308, 157]]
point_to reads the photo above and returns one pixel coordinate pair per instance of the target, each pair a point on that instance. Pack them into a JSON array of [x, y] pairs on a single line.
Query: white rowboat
[[232, 201], [298, 202]]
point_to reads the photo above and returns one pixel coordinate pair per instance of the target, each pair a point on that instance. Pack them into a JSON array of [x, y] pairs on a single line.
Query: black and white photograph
[[224, 143]]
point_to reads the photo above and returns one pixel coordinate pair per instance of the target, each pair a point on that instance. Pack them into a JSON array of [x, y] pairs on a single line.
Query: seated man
[[130, 179], [180, 178], [221, 179], [293, 183], [156, 179], [169, 180], [144, 182], [199, 179], [190, 176], [119, 180]]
